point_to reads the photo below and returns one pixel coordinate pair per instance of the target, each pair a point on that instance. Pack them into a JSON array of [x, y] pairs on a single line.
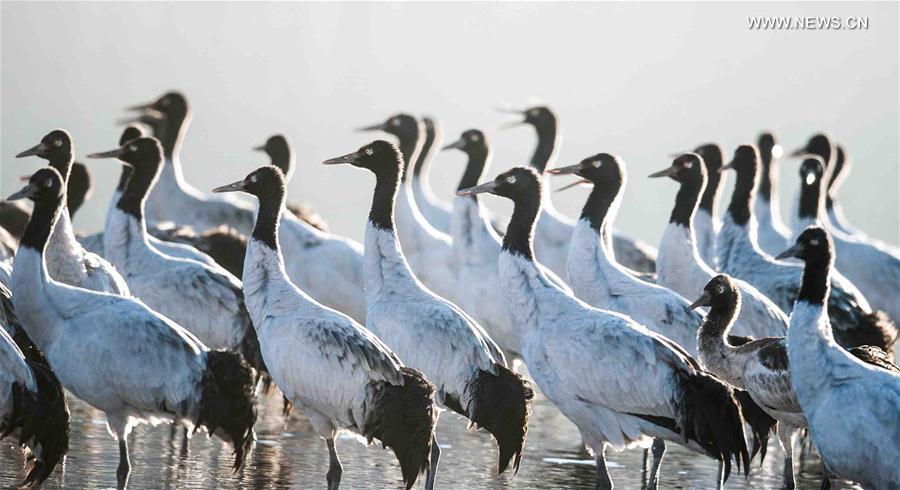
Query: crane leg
[[658, 449], [435, 458], [334, 467], [604, 482]]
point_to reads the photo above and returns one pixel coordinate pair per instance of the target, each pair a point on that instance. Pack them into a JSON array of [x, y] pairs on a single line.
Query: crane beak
[[793, 251], [703, 300], [351, 158], [259, 148], [141, 107], [36, 150], [799, 152], [571, 169], [478, 189], [729, 166], [24, 192], [373, 127], [108, 154], [669, 172], [510, 125], [232, 187], [458, 145]]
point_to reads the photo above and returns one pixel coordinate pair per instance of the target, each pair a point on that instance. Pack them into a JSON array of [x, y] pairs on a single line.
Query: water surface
[[289, 455]]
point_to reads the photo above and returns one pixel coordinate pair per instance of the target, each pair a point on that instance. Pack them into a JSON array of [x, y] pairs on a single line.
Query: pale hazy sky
[[639, 79]]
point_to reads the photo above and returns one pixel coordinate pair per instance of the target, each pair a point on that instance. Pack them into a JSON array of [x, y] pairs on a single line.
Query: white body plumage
[[428, 251], [206, 300], [680, 269], [599, 281], [853, 409], [327, 267], [320, 358], [426, 331]]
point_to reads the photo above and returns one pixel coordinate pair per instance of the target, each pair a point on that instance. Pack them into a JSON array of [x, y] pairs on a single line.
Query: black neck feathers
[[408, 144], [43, 217], [520, 232], [143, 177], [768, 175], [599, 201], [686, 203], [123, 178], [387, 182], [475, 167], [746, 165], [546, 144], [62, 162], [810, 195], [523, 187], [425, 154], [712, 161], [814, 287], [722, 312], [268, 216]]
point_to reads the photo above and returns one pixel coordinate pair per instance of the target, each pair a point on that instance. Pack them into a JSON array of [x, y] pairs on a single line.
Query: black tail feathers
[[42, 420], [252, 353], [761, 424], [710, 416], [403, 418], [876, 329], [501, 403], [228, 402]]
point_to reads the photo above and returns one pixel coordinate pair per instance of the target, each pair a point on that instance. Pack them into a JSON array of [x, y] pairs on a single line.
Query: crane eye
[[596, 163], [165, 102], [57, 143], [369, 151], [810, 178], [395, 122], [48, 183], [511, 179], [534, 112], [814, 242], [253, 179], [687, 164], [132, 147], [474, 137]]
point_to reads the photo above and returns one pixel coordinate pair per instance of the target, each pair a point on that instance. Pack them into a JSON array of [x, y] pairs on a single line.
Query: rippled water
[[289, 455]]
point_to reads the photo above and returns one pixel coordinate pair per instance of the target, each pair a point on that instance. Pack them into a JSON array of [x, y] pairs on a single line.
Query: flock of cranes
[[189, 305]]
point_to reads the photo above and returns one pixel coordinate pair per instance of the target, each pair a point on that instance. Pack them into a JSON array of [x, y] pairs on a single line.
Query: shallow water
[[289, 455]]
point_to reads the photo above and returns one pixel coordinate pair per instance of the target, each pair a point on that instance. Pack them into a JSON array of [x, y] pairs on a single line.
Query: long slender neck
[[710, 199], [686, 203], [768, 176], [139, 184], [410, 149], [546, 146], [124, 177], [426, 154], [742, 198], [387, 182], [520, 232], [815, 284], [475, 167], [63, 164], [720, 319], [282, 158], [600, 207], [810, 200], [267, 218], [172, 135], [43, 218]]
